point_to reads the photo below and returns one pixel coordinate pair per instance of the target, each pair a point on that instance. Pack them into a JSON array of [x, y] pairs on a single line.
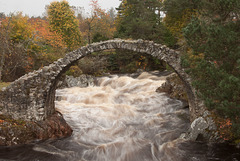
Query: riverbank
[[173, 87], [16, 132], [122, 117]]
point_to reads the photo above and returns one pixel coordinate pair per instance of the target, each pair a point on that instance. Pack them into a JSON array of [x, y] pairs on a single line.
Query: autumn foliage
[[28, 44], [63, 22], [99, 26], [18, 46], [45, 34]]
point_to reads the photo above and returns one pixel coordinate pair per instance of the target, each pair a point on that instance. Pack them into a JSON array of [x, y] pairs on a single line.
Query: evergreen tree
[[140, 20], [214, 36], [178, 14], [62, 21]]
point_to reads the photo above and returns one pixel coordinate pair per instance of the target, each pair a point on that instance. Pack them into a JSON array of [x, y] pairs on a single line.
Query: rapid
[[121, 118]]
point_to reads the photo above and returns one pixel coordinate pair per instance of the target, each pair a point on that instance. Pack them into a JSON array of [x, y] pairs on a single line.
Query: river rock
[[198, 128], [202, 128], [174, 88], [15, 132], [81, 81]]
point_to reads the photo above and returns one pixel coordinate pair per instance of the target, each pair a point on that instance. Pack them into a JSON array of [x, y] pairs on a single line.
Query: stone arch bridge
[[32, 96]]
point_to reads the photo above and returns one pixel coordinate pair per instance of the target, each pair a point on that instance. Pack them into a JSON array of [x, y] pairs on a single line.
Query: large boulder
[[174, 88], [15, 132], [204, 129]]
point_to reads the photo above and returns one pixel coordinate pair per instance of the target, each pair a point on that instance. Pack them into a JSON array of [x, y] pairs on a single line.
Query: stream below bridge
[[121, 119]]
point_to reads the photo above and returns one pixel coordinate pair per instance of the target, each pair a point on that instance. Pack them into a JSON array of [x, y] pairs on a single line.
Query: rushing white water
[[123, 119]]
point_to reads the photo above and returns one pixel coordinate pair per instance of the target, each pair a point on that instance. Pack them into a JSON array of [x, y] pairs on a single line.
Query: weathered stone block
[[40, 85]]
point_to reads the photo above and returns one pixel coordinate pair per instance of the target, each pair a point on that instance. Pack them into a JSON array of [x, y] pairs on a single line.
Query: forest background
[[206, 32]]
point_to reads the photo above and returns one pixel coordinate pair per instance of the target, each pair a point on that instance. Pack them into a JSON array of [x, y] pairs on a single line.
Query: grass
[[4, 84]]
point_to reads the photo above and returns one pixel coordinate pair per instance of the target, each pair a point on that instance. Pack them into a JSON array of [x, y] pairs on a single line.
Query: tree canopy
[[63, 21], [139, 19], [214, 57]]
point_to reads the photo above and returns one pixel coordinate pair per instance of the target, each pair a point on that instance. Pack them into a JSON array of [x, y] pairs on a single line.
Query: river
[[121, 119]]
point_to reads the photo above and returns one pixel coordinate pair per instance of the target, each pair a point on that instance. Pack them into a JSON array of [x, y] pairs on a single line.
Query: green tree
[[140, 20], [178, 14], [213, 35], [97, 37], [62, 21]]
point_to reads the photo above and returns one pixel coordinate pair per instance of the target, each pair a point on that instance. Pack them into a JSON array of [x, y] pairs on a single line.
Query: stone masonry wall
[[32, 96]]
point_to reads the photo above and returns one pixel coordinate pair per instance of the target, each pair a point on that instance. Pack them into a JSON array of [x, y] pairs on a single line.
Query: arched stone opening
[[32, 96]]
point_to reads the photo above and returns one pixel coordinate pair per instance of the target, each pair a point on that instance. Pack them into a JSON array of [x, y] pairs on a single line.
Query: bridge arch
[[32, 96]]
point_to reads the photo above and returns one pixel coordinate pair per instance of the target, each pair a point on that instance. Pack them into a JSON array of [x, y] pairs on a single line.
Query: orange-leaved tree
[[99, 26], [51, 44], [18, 46], [45, 35], [62, 21]]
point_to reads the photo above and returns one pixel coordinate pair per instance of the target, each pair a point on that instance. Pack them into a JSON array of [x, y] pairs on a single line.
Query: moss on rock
[[15, 132]]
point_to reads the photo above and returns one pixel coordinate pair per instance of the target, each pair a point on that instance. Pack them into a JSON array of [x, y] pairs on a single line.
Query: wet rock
[[53, 127], [15, 132], [81, 81], [198, 128], [174, 88], [203, 129]]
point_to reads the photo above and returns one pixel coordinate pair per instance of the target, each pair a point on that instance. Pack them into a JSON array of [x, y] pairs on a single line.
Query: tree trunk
[[2, 63], [89, 33], [5, 45]]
